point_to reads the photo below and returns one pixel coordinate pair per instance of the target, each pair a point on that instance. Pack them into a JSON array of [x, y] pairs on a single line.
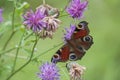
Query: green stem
[[13, 19], [43, 2], [14, 64], [65, 7], [63, 15], [28, 36], [9, 77], [47, 51], [3, 52], [12, 34], [6, 51]]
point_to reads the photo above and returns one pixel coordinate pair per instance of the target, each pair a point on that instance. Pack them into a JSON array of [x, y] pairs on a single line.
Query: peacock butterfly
[[76, 47]]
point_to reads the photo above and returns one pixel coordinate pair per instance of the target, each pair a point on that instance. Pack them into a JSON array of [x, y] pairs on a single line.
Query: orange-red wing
[[75, 49], [65, 51], [85, 42], [62, 55], [81, 30], [80, 34]]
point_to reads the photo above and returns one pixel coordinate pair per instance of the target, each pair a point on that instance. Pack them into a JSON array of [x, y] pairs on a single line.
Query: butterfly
[[76, 47]]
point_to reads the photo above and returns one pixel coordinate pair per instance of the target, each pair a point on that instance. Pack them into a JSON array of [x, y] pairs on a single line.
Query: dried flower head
[[48, 10], [34, 20], [1, 18], [49, 71], [76, 8], [69, 32], [51, 23], [75, 70]]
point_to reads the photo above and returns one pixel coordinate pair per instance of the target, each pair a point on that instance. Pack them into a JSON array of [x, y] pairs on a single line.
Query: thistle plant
[[37, 24]]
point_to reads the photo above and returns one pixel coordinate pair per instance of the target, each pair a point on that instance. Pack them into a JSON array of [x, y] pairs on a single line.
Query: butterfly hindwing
[[76, 49], [65, 51], [85, 42], [62, 54]]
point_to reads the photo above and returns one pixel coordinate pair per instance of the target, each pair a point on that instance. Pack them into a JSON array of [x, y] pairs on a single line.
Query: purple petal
[[76, 8], [33, 20], [48, 71]]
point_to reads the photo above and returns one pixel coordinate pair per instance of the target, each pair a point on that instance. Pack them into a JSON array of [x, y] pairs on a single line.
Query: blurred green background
[[102, 60]]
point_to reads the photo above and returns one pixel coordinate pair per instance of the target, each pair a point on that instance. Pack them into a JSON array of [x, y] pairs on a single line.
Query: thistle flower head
[[76, 8], [69, 32], [48, 10], [75, 70], [49, 71], [1, 18], [51, 23], [34, 20], [43, 22]]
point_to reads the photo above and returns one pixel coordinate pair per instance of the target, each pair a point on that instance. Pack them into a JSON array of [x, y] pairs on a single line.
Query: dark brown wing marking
[[81, 30]]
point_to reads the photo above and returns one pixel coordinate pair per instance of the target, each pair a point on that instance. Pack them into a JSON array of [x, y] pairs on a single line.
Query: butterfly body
[[76, 47]]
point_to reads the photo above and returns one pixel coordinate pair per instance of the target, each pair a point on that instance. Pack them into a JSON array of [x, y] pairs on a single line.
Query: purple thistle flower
[[76, 8], [69, 32], [49, 71], [34, 20], [1, 18]]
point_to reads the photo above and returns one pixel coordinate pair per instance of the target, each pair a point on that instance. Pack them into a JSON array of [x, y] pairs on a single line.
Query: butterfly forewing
[[81, 30]]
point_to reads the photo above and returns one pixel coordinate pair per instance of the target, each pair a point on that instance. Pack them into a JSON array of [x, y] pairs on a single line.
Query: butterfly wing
[[81, 30], [76, 47], [85, 42], [81, 40], [62, 54], [77, 52]]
